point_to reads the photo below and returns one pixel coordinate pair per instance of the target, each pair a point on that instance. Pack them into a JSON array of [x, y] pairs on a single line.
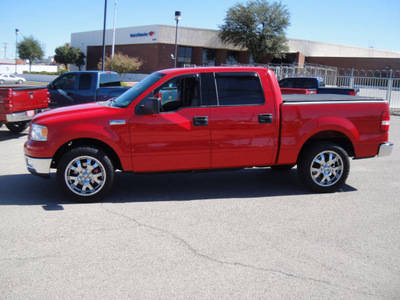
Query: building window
[[184, 56], [232, 58], [209, 57]]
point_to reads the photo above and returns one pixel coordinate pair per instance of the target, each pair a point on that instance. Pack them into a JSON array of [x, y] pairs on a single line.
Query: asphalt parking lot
[[250, 234]]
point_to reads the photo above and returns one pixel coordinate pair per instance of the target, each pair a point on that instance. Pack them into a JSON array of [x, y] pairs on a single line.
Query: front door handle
[[200, 121], [265, 118]]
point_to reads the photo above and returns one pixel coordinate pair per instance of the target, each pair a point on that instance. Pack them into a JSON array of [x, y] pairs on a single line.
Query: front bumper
[[385, 149], [38, 166]]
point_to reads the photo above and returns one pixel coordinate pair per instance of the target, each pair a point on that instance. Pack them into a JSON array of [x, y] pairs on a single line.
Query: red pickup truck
[[18, 105], [206, 119]]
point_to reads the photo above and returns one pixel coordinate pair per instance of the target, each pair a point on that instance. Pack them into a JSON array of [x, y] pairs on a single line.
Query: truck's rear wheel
[[323, 167], [17, 127], [85, 174]]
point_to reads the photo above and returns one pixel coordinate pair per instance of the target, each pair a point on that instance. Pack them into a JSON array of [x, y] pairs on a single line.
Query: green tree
[[121, 64], [61, 56], [31, 49], [66, 55], [79, 57], [259, 27]]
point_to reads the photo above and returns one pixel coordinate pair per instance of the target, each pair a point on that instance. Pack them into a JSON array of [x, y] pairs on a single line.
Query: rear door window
[[239, 88]]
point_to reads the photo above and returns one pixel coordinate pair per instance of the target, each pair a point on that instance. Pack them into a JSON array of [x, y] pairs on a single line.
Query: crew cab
[[18, 105], [311, 85], [205, 119], [83, 87]]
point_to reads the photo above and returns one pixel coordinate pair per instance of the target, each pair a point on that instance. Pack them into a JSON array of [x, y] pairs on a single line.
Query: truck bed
[[327, 98]]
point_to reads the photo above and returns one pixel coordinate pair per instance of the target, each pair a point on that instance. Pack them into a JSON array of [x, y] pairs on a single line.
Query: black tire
[[1, 81], [19, 81], [17, 127], [85, 174], [323, 167], [282, 167]]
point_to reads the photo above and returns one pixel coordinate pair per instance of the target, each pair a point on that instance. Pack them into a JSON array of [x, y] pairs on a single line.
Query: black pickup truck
[[83, 87], [313, 85]]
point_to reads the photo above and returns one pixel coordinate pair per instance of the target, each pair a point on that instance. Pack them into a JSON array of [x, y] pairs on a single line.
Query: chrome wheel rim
[[326, 168], [85, 176]]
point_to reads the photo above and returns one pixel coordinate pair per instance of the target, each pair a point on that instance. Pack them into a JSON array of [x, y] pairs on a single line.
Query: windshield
[[130, 95]]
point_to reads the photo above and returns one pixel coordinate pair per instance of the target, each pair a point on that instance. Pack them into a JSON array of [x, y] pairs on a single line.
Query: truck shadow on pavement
[[6, 135], [26, 189]]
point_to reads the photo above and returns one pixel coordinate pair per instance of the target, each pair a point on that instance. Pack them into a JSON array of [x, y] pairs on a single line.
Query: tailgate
[[29, 98]]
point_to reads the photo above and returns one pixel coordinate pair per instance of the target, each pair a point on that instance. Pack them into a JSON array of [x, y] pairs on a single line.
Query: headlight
[[38, 133]]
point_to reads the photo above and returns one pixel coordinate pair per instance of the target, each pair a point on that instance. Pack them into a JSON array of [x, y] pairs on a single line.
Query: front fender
[[115, 136]]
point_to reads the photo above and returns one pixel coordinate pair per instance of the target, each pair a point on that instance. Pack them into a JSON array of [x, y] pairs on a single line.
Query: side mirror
[[50, 86], [148, 106]]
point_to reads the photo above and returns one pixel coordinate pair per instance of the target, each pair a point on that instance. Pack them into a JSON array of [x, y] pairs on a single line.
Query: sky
[[360, 23]]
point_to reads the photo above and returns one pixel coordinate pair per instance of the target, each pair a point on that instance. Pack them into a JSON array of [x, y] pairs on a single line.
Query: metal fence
[[379, 83]]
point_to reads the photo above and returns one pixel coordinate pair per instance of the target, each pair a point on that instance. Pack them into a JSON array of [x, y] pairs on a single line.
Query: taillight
[[385, 121], [352, 93], [8, 100]]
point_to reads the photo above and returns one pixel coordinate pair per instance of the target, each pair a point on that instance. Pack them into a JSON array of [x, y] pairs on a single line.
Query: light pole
[[115, 20], [177, 19], [16, 49], [104, 36]]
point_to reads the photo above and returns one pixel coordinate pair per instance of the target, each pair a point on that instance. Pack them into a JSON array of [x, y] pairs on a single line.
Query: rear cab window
[[298, 83], [109, 79]]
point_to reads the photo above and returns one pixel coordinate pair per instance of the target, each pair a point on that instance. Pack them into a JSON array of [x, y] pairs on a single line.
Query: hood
[[81, 112]]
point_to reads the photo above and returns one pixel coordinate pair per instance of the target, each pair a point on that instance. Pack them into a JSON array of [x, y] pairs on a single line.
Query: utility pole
[[5, 50], [16, 50]]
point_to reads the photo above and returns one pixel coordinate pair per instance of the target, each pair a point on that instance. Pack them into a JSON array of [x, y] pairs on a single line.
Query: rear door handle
[[265, 118], [200, 121]]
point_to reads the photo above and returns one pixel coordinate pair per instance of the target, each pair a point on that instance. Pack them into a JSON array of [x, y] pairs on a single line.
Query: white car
[[9, 78]]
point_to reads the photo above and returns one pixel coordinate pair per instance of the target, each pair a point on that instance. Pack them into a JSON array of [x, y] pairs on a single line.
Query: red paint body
[[233, 136]]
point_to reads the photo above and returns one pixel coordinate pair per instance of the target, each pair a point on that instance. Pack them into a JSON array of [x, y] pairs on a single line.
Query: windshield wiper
[[111, 102]]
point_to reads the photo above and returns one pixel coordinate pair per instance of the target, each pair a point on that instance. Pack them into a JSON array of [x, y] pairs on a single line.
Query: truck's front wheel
[[323, 167], [85, 174]]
